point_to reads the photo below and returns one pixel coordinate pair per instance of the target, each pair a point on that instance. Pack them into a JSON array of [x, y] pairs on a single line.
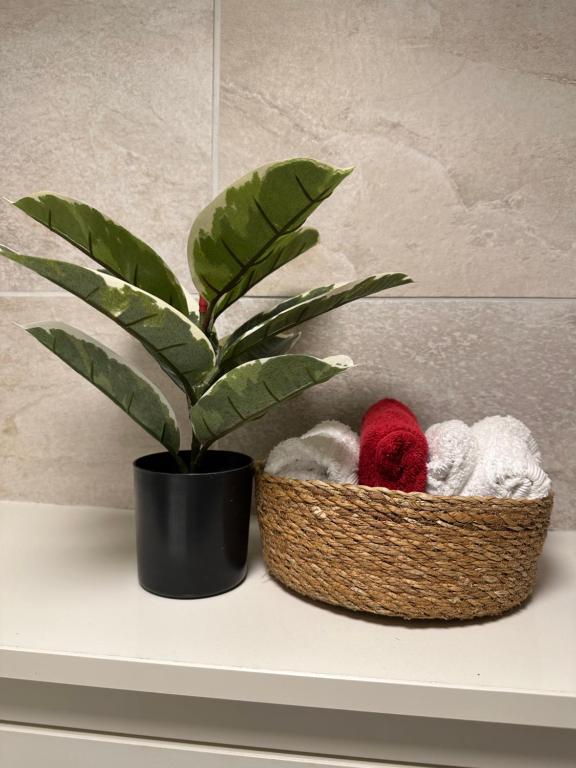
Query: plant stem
[[181, 463], [206, 322], [196, 451], [205, 319], [195, 446]]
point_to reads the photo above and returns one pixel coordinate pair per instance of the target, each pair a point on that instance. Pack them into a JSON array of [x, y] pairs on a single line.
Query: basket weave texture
[[409, 555]]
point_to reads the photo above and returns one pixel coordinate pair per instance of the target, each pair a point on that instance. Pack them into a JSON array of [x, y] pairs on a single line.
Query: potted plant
[[193, 506]]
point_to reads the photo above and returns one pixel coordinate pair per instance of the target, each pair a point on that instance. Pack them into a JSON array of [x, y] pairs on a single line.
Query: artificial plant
[[251, 229]]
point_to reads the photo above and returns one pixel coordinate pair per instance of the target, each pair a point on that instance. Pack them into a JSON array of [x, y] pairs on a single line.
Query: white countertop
[[71, 611]]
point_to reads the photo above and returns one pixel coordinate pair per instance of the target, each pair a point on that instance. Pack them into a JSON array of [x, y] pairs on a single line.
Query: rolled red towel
[[393, 448]]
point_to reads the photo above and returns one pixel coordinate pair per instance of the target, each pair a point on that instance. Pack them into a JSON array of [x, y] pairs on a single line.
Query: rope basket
[[409, 555]]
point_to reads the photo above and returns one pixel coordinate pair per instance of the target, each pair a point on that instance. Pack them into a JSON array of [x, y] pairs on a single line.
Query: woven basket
[[401, 554]]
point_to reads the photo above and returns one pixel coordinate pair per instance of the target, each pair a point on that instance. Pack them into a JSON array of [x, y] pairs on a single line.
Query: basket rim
[[387, 492]]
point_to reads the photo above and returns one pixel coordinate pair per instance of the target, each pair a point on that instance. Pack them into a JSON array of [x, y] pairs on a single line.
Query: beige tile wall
[[460, 120], [457, 358], [63, 441], [110, 103]]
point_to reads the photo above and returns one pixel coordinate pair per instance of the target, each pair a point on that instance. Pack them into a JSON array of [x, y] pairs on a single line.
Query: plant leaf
[[270, 347], [298, 309], [262, 317], [124, 385], [238, 229], [110, 245], [174, 340], [285, 249], [248, 391]]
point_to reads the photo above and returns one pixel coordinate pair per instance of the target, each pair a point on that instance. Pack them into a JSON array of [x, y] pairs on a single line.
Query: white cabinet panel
[[83, 620], [24, 747]]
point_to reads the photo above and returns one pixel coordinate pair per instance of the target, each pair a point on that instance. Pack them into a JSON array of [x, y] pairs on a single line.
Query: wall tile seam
[[282, 297], [215, 157]]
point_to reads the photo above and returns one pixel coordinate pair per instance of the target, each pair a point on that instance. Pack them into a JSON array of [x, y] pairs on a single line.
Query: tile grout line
[[281, 297], [215, 150], [34, 295]]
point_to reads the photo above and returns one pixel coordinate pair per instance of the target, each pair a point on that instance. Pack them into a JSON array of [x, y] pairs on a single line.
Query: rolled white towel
[[509, 462], [329, 451], [452, 456]]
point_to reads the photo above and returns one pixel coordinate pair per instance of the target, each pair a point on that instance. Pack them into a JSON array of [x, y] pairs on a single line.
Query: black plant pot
[[192, 529]]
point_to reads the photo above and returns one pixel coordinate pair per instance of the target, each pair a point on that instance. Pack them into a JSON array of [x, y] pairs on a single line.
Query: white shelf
[[71, 611]]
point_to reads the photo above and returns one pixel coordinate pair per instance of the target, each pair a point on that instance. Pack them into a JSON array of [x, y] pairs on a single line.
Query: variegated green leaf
[[248, 391], [284, 250], [264, 316], [296, 310], [192, 304], [109, 244], [237, 229], [124, 385], [270, 347], [175, 341]]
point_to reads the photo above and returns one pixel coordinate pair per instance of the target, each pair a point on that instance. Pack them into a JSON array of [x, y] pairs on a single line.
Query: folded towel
[[328, 451], [452, 456], [509, 462], [393, 448]]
